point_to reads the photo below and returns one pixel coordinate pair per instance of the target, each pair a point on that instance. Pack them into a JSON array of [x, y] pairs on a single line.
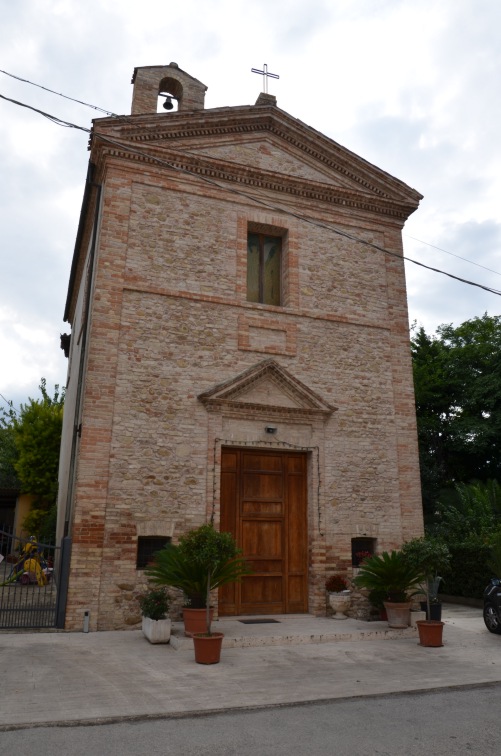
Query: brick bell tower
[[150, 81]]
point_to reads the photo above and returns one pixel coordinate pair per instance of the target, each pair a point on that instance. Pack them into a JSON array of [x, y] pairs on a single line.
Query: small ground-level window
[[361, 548], [264, 263], [146, 548]]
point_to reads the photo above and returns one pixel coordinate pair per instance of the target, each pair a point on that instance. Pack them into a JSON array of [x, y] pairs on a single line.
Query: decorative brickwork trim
[[249, 119], [279, 311], [271, 333], [275, 182]]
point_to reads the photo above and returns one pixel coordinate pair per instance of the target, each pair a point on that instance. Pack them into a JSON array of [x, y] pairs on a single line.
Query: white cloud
[[411, 87]]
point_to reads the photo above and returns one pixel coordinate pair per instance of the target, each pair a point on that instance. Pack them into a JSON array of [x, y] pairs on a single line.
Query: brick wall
[[170, 321]]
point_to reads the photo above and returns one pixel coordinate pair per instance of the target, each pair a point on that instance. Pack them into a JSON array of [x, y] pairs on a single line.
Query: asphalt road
[[456, 722]]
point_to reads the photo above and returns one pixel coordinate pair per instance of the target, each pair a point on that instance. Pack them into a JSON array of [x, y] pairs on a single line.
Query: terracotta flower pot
[[398, 614], [207, 647], [430, 633], [195, 621]]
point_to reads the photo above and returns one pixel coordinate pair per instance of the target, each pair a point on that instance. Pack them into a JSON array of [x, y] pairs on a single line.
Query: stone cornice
[[207, 124], [225, 171], [248, 410]]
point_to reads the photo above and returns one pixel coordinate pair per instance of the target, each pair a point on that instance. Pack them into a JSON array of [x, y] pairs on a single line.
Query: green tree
[[471, 513], [468, 520], [432, 411], [29, 445], [8, 451], [458, 404], [37, 432]]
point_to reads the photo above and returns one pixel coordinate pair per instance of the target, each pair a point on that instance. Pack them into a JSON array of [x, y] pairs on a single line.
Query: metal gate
[[33, 582]]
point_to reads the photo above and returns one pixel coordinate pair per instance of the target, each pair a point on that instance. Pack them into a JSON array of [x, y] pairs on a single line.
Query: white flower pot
[[416, 616], [156, 631], [340, 603]]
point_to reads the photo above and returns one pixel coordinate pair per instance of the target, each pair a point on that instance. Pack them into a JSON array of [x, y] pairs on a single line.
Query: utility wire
[[110, 113], [54, 119], [9, 404], [433, 246], [275, 208], [127, 146], [81, 102]]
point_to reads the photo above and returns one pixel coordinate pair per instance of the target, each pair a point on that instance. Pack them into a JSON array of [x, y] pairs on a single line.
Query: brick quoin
[[169, 361]]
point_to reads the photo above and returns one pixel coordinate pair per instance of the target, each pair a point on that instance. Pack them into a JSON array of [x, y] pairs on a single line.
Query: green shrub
[[494, 561], [205, 559], [389, 573], [468, 573], [154, 603]]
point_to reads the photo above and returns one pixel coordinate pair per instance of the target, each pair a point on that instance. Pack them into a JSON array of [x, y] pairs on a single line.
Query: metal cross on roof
[[265, 75]]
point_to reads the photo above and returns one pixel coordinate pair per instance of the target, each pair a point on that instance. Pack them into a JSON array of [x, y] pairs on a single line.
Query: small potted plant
[[204, 560], [359, 557], [391, 575], [217, 554], [430, 556], [154, 605], [174, 566], [339, 596]]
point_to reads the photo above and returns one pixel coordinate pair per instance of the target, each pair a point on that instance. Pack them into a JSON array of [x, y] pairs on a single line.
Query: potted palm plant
[[430, 557], [174, 566], [394, 578], [217, 554], [154, 605], [205, 559]]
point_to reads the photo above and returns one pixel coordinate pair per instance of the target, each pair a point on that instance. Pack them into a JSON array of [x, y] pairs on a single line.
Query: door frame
[[294, 536]]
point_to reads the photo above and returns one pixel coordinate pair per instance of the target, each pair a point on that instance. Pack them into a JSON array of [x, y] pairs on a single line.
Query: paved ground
[[458, 722], [57, 678]]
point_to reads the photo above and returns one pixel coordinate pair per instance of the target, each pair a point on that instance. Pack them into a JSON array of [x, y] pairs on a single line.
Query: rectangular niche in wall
[[361, 548], [146, 547]]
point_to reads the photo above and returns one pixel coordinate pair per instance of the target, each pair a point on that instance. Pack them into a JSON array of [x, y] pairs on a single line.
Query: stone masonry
[[169, 361]]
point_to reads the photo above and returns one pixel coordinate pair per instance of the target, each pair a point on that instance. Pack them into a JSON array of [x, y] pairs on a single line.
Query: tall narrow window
[[264, 260]]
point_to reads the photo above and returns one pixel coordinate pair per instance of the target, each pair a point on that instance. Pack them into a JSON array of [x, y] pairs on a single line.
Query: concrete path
[[56, 678]]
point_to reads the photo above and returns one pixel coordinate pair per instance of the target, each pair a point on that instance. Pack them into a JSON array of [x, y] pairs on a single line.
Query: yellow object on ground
[[32, 566]]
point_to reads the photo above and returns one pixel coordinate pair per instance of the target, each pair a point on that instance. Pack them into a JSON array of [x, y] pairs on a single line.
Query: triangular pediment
[[256, 144], [268, 153], [266, 387]]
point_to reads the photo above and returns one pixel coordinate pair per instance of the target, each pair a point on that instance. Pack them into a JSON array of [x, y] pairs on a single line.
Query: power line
[[9, 404], [276, 208], [81, 102], [433, 246], [239, 192], [110, 113], [54, 119]]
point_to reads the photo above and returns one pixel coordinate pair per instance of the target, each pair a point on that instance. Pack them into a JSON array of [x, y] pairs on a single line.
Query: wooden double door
[[264, 505]]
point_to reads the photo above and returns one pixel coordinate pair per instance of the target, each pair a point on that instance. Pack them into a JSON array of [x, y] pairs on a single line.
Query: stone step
[[291, 631]]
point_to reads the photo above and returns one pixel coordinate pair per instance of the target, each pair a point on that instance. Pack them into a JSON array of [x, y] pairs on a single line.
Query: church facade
[[239, 353]]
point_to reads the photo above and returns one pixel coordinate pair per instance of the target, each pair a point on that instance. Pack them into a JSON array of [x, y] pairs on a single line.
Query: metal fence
[[33, 580]]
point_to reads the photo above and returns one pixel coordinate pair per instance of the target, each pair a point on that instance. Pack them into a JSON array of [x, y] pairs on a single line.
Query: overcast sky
[[413, 87]]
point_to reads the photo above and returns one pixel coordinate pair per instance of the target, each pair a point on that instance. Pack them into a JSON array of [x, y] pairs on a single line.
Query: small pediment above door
[[267, 388]]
